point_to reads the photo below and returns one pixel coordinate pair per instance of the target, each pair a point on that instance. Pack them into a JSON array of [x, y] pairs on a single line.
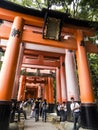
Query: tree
[[1, 54], [80, 9], [93, 63]]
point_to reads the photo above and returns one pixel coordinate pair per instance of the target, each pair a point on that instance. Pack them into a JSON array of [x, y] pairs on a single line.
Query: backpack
[[44, 106]]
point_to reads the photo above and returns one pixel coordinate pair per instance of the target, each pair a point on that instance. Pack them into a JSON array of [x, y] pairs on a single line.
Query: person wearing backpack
[[63, 112], [36, 109], [75, 108], [44, 110]]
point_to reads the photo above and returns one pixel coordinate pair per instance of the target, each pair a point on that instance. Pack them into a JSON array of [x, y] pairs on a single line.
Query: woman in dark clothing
[[36, 108], [44, 110]]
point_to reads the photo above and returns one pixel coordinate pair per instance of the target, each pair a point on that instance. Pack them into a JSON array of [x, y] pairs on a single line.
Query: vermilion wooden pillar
[[71, 77], [21, 92], [63, 79], [58, 86], [51, 93], [39, 91], [46, 96], [89, 113], [8, 71], [18, 69], [71, 80], [43, 90], [52, 90]]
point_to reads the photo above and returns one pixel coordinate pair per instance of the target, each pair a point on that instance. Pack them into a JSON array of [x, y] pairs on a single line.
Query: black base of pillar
[[89, 116], [51, 108], [5, 107], [69, 113]]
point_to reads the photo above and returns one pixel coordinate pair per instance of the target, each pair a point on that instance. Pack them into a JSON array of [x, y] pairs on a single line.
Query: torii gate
[[18, 33]]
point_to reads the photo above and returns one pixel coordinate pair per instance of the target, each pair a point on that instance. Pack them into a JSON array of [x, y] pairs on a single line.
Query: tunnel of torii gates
[[30, 44]]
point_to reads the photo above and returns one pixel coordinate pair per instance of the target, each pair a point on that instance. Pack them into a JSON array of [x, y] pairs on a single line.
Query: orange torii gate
[[27, 26]]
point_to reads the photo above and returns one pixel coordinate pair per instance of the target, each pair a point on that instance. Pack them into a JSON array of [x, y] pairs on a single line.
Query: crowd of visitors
[[75, 112], [18, 107], [62, 111], [39, 108]]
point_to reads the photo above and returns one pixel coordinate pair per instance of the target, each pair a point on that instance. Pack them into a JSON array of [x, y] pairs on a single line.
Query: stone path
[[30, 124]]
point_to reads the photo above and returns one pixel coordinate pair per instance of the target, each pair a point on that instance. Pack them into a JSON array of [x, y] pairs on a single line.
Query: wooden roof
[[36, 18], [51, 13]]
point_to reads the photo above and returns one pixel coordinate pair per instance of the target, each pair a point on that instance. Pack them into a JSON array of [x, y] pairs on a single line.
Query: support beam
[[21, 92], [18, 70], [31, 20], [63, 79], [71, 76], [38, 66], [8, 71], [41, 63], [53, 55], [89, 113], [91, 48], [58, 86], [39, 22], [31, 37]]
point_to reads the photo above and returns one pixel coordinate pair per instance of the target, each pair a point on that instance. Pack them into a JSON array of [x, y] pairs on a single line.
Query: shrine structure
[[50, 44]]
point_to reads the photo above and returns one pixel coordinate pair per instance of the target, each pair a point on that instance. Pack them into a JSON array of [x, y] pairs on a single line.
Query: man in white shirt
[[63, 112], [75, 108], [20, 110]]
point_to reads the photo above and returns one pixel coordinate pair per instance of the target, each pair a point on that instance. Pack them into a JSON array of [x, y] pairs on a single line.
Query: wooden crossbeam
[[37, 39], [53, 55], [39, 22], [38, 66], [91, 48], [41, 62], [30, 37], [29, 20]]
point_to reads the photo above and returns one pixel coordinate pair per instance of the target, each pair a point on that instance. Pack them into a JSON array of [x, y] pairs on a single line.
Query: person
[[13, 109], [40, 107], [63, 112], [19, 109], [58, 108], [75, 108], [44, 110], [32, 113], [36, 109]]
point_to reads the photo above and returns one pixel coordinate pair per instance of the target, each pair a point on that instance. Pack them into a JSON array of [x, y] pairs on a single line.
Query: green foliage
[[14, 1], [93, 62], [54, 88], [26, 3], [1, 54], [90, 8], [80, 9]]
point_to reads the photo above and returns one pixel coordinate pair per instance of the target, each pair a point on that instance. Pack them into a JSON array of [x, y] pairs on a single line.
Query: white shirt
[[75, 105], [64, 107], [58, 107]]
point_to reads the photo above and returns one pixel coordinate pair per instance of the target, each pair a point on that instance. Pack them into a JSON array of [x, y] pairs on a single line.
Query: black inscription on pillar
[[70, 51], [63, 64], [82, 43], [15, 33]]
